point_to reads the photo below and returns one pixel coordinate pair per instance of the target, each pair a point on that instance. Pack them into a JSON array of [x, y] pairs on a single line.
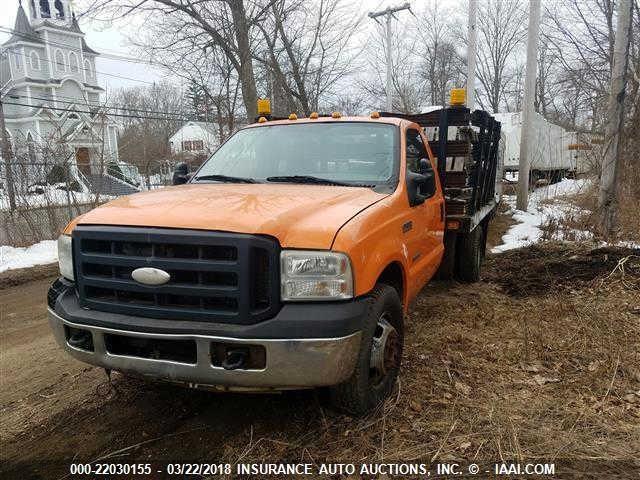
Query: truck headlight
[[65, 257], [315, 275]]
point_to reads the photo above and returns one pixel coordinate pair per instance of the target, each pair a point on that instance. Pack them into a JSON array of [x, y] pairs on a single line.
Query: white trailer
[[549, 149]]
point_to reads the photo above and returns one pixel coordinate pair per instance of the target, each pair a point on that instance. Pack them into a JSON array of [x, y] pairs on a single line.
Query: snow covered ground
[[41, 253], [546, 204], [51, 196]]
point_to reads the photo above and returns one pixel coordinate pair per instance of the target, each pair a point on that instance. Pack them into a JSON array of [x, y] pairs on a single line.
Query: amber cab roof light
[[264, 107], [457, 97]]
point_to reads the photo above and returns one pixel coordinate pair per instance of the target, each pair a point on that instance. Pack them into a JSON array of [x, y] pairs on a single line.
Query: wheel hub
[[385, 351]]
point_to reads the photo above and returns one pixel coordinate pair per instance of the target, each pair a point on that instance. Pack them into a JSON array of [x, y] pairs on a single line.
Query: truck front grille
[[214, 276]]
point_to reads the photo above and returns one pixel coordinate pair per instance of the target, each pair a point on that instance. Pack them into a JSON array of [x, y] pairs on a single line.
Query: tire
[[446, 270], [470, 255], [368, 386]]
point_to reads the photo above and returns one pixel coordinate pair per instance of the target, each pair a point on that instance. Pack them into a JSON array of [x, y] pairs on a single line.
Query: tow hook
[[234, 359]]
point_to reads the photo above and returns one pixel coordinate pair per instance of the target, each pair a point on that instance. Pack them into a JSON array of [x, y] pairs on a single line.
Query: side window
[[421, 179], [415, 151]]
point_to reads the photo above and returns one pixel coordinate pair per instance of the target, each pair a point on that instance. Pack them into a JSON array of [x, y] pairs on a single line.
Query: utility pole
[[528, 111], [608, 200], [472, 33], [389, 13], [7, 157]]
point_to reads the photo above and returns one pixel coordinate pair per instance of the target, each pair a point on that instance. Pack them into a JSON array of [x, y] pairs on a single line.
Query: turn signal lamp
[[264, 106], [293, 116], [313, 116], [375, 114], [453, 225], [336, 115], [458, 97], [262, 120]]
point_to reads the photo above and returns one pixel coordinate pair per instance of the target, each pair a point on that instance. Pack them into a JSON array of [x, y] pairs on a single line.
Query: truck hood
[[303, 216]]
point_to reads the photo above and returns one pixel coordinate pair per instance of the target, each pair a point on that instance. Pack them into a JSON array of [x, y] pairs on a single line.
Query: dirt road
[[541, 360]]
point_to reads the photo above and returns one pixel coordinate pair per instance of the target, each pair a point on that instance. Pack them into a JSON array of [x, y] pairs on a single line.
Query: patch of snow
[[51, 197], [545, 204], [41, 253]]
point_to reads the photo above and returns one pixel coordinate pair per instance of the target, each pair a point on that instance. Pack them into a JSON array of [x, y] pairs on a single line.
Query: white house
[[197, 138], [51, 95]]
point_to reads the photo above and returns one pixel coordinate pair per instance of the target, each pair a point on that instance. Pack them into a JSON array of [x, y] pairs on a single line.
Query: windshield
[[352, 153]]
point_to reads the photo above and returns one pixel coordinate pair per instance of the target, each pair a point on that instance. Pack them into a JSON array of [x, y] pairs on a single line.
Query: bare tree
[[501, 33], [308, 48], [303, 48], [187, 25], [150, 116], [409, 87], [442, 66]]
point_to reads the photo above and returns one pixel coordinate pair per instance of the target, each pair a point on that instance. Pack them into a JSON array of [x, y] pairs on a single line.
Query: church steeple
[[22, 30], [57, 12]]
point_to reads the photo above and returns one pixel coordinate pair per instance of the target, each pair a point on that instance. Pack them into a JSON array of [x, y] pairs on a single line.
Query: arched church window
[[33, 8], [73, 62], [34, 60], [44, 9], [87, 68], [60, 61], [59, 9]]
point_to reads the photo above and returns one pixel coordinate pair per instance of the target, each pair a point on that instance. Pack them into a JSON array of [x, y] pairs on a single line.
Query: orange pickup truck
[[287, 260]]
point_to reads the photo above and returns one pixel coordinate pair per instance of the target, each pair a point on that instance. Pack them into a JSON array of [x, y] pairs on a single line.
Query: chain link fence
[[49, 194]]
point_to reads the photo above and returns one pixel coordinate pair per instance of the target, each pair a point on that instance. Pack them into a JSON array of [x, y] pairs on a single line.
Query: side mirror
[[428, 189], [181, 174], [415, 184], [420, 187]]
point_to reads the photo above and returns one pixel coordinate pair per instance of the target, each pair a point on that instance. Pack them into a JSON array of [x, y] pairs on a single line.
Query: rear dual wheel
[[470, 254], [379, 358]]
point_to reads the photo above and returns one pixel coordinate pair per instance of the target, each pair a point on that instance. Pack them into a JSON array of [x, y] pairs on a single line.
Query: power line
[[104, 52], [92, 113], [108, 107], [76, 101]]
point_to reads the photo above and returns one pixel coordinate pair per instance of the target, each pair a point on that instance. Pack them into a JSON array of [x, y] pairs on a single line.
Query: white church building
[[51, 96]]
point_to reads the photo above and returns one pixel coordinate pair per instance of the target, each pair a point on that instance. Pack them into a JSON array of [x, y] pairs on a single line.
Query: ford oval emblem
[[150, 276]]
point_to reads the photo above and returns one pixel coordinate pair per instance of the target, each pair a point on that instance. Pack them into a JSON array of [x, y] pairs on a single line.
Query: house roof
[[209, 127], [22, 30]]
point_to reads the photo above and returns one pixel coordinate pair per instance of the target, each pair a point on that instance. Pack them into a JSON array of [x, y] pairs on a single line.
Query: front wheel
[[379, 358]]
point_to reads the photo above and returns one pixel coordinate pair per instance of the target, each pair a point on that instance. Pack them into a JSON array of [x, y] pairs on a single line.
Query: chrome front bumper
[[290, 363]]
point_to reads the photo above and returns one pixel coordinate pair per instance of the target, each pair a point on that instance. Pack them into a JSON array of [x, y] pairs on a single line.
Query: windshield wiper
[[309, 179], [226, 179]]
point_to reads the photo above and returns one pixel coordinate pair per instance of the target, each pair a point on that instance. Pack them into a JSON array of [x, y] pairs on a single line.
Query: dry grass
[[538, 362], [580, 219], [490, 374]]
